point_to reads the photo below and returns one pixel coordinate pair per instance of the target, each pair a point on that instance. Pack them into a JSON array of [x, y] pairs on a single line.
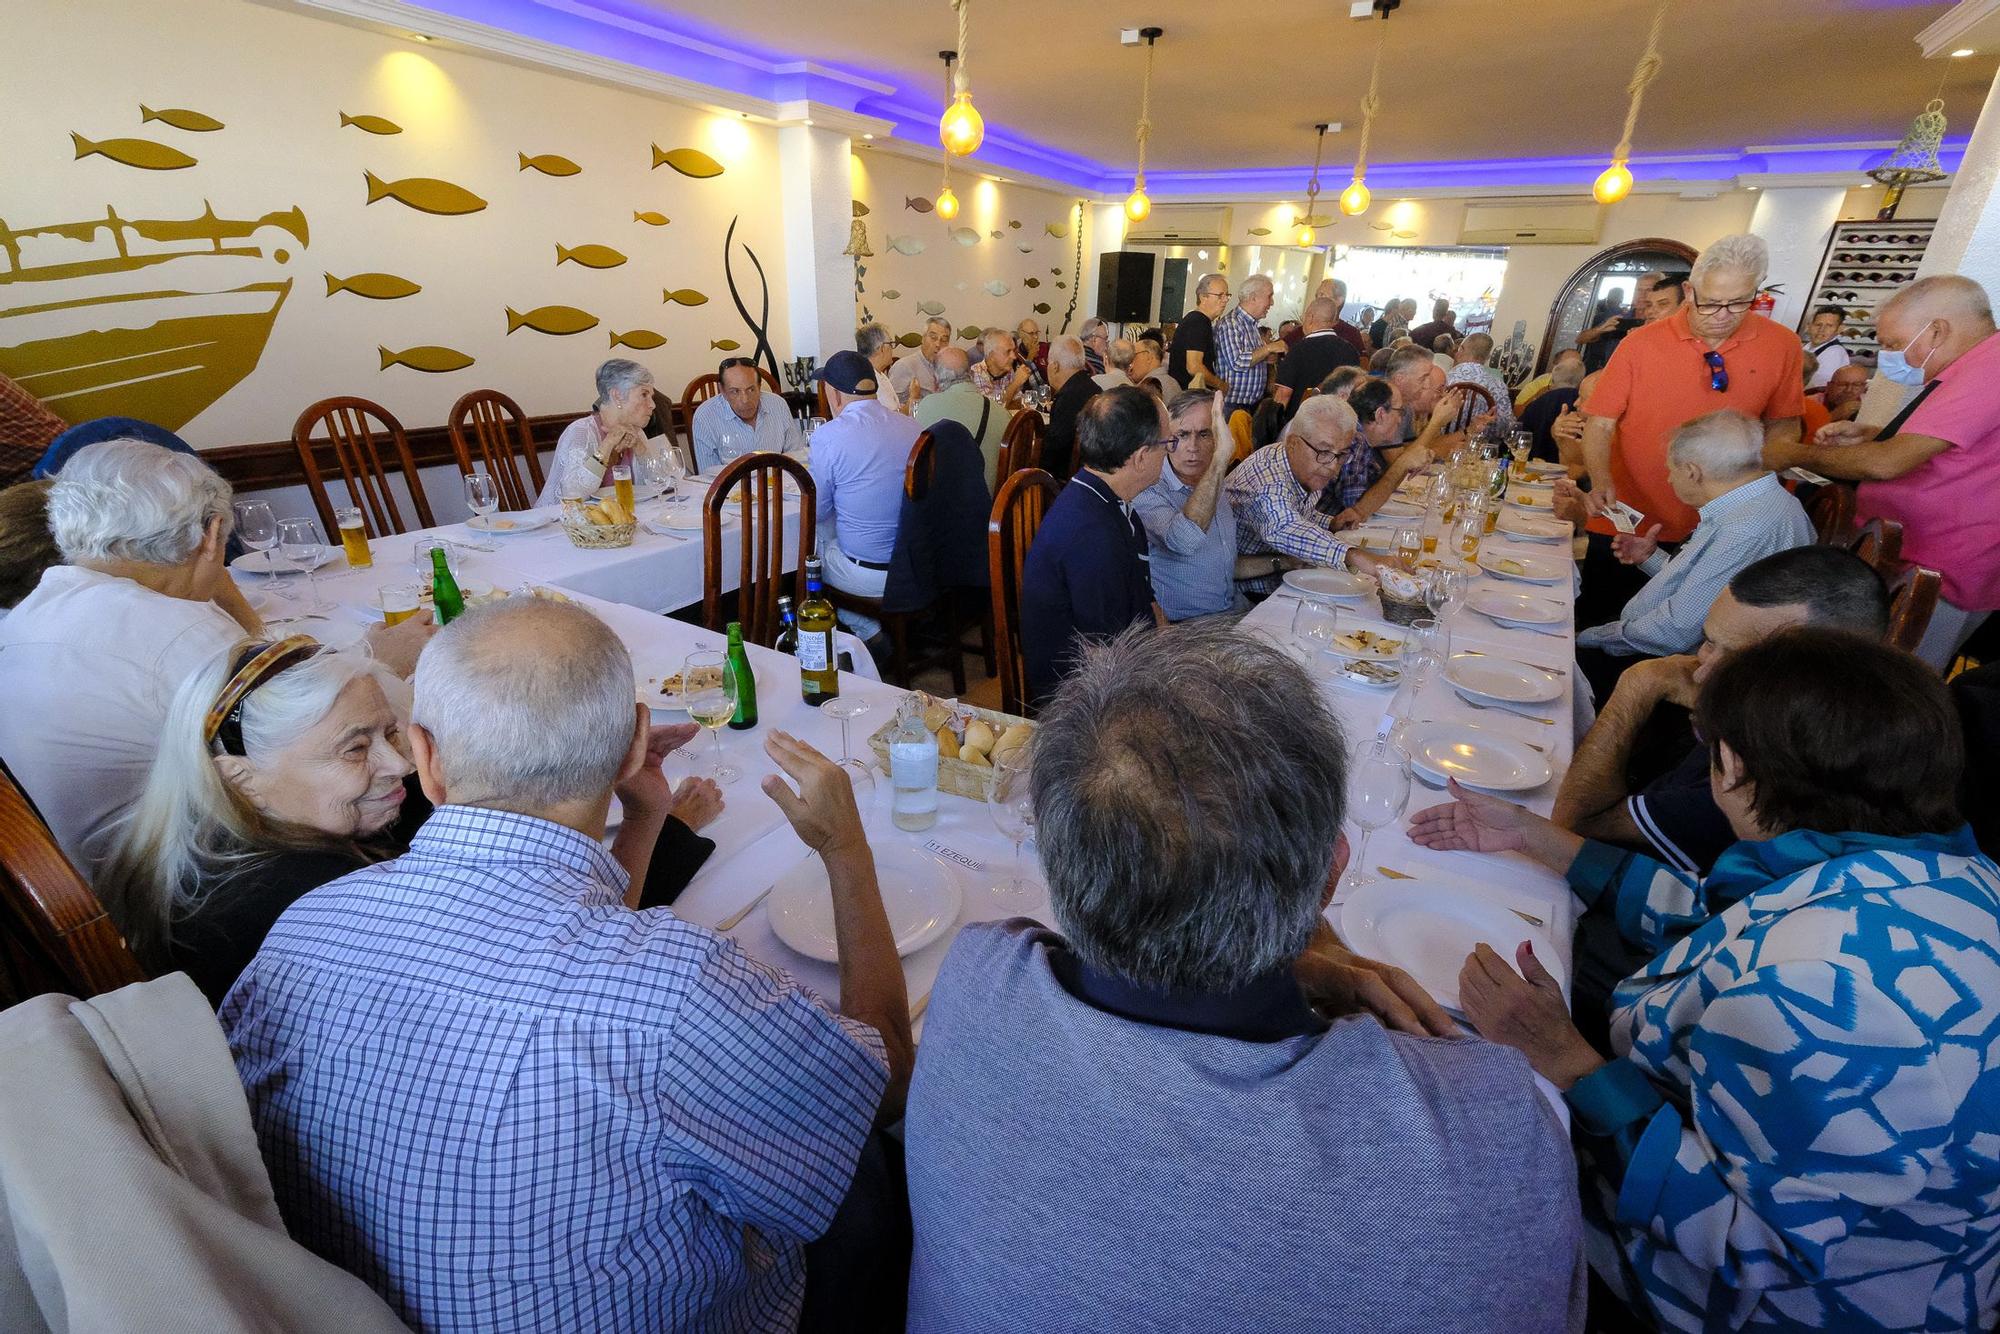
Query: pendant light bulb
[[1354, 199], [947, 204], [1613, 185], [1306, 235], [1137, 206], [962, 129]]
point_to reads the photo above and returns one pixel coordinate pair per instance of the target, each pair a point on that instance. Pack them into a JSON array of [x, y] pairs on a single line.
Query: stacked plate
[[1533, 569], [1475, 756], [1519, 610], [1534, 527], [1490, 680], [921, 892], [1428, 930], [1328, 585]]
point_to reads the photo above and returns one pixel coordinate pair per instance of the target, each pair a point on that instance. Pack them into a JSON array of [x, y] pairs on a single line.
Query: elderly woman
[[1797, 1128], [1194, 1041], [282, 767], [613, 433]]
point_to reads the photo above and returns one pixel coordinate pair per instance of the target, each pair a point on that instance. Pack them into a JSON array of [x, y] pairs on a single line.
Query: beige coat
[[132, 1195]]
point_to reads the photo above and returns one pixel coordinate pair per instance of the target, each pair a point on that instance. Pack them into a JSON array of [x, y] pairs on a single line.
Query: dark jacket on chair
[[941, 535]]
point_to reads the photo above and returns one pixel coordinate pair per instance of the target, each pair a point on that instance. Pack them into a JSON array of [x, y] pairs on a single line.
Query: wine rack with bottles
[[1865, 264]]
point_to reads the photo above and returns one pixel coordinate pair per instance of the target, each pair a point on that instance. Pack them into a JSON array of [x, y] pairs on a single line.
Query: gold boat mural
[[142, 317]]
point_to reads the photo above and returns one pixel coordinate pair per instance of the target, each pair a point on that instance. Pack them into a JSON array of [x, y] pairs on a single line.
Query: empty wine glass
[[1446, 591], [1429, 647], [1010, 797], [1378, 788], [304, 547], [708, 690], [655, 473], [847, 708], [1314, 625], [258, 531]]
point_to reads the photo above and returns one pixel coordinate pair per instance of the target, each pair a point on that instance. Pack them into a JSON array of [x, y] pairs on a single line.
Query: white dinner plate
[[511, 524], [921, 892], [1518, 607], [1335, 585], [686, 517], [1522, 566], [1428, 931], [1539, 485], [1368, 639], [1368, 674], [1475, 756], [1534, 527], [1543, 468], [263, 562], [653, 697], [1541, 500], [1500, 680]]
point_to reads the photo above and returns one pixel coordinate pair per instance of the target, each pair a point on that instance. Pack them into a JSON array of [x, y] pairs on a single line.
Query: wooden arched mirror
[[1615, 269]]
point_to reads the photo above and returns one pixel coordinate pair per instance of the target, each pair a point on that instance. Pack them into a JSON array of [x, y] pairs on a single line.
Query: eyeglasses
[[1718, 374], [1718, 307], [1328, 455]]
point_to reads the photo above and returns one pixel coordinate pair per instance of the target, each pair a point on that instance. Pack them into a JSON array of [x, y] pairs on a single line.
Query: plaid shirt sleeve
[[1235, 340], [1267, 520]]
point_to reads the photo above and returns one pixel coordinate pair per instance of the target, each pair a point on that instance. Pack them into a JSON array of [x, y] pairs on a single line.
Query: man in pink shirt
[[1935, 469]]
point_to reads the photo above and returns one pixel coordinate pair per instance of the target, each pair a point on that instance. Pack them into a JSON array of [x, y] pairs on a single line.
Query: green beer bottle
[[444, 589], [737, 664]]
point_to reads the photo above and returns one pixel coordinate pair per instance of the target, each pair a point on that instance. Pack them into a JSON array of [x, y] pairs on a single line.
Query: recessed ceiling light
[[868, 136], [426, 37], [1963, 52]]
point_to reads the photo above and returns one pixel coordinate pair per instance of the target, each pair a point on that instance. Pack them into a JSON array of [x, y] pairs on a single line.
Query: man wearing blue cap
[[858, 459]]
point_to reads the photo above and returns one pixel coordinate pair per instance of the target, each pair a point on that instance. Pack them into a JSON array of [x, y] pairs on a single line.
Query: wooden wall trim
[[275, 463]]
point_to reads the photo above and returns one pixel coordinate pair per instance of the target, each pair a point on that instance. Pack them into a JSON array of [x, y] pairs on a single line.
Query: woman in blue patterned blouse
[[1801, 1128]]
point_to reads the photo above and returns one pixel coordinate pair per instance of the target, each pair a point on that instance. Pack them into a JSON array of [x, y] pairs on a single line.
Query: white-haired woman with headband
[[282, 767]]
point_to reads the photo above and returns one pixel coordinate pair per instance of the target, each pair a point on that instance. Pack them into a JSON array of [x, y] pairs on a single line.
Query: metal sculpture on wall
[[761, 353]]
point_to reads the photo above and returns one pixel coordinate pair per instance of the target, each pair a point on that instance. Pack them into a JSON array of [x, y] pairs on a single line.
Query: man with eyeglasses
[[1710, 354], [1275, 495], [1190, 529], [1191, 358]]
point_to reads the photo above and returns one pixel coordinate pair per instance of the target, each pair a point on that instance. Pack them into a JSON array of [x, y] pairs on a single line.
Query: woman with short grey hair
[[614, 433]]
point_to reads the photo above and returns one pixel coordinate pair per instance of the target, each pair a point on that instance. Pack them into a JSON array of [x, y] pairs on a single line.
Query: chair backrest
[[52, 921], [1478, 399], [1017, 515], [922, 466], [355, 428], [1880, 543], [825, 413], [704, 387], [1020, 444], [760, 567], [1831, 510], [1913, 598], [488, 427]]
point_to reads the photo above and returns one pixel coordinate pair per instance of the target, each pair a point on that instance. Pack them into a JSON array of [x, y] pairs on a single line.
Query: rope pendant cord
[[1372, 103], [1145, 129], [1643, 75], [959, 7]]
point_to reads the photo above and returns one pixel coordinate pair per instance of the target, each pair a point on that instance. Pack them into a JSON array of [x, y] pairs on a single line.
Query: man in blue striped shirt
[[508, 1102], [1716, 465]]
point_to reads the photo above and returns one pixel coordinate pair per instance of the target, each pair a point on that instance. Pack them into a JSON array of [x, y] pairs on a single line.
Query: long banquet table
[[627, 588]]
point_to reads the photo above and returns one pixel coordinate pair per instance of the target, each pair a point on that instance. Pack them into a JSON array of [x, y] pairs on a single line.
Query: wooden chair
[[1913, 599], [824, 412], [1478, 399], [760, 570], [495, 423], [704, 387], [1017, 515], [352, 427], [1831, 510], [1880, 543], [1020, 444], [53, 931]]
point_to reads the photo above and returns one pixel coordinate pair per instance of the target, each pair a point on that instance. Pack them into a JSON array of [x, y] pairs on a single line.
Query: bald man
[[1469, 367], [1935, 468], [958, 399]]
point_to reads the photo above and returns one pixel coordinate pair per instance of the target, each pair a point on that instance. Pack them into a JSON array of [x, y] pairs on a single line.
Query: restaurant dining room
[[999, 668]]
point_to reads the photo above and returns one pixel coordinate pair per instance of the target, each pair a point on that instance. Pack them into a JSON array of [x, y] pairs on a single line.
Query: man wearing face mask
[[1935, 468]]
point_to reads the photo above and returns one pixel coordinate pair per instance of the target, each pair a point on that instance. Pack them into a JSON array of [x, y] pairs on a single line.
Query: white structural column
[[817, 196], [1795, 222], [1967, 238]]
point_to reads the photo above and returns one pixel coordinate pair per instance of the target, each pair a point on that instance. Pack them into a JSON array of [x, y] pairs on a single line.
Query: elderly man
[[1560, 396], [858, 460], [1419, 385], [1443, 323], [919, 369], [872, 341], [1069, 374], [477, 1050], [1096, 337], [1000, 374], [612, 432], [957, 400], [1215, 1060], [1538, 386], [1320, 351], [1334, 290], [1469, 367], [1086, 576], [1243, 356], [1190, 531], [1716, 467], [1935, 469], [92, 657], [1823, 341], [1711, 354], [1275, 494], [1379, 460], [1191, 354], [1660, 300], [1149, 363], [745, 415], [1118, 355], [1841, 401], [1034, 352]]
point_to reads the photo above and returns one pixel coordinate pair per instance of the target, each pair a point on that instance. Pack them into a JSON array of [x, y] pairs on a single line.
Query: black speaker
[[1125, 286], [1173, 287]]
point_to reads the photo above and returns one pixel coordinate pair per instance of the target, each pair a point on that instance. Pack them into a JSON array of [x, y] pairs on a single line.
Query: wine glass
[[655, 473], [258, 531], [303, 547], [1378, 788], [482, 498], [1314, 624], [1010, 797], [846, 708], [732, 446], [1431, 639], [709, 691], [1446, 591]]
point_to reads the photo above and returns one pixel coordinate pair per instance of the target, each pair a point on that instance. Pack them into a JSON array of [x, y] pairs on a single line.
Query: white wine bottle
[[819, 672]]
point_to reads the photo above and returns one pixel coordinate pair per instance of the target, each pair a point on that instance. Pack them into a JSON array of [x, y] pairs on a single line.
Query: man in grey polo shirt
[[1177, 1114], [1190, 531]]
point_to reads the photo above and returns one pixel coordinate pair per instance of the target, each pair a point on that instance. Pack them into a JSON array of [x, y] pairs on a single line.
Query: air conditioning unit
[[1180, 224], [1519, 222]]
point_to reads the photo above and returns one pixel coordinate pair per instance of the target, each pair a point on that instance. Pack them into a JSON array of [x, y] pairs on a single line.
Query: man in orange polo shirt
[[1710, 354]]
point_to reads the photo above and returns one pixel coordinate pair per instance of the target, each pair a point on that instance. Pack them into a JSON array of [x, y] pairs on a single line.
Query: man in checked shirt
[[1275, 496]]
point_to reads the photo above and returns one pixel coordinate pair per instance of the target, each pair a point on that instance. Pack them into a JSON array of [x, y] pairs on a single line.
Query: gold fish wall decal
[[965, 236], [133, 153], [643, 339], [1260, 231], [971, 331], [860, 209], [651, 219], [1055, 273], [590, 256], [374, 286], [180, 118], [426, 194], [551, 320], [1061, 285], [911, 340], [683, 296], [918, 204], [1041, 308], [430, 358], [998, 235], [1014, 225], [549, 164], [724, 344], [1056, 229], [687, 161], [1031, 282], [891, 295], [372, 124]]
